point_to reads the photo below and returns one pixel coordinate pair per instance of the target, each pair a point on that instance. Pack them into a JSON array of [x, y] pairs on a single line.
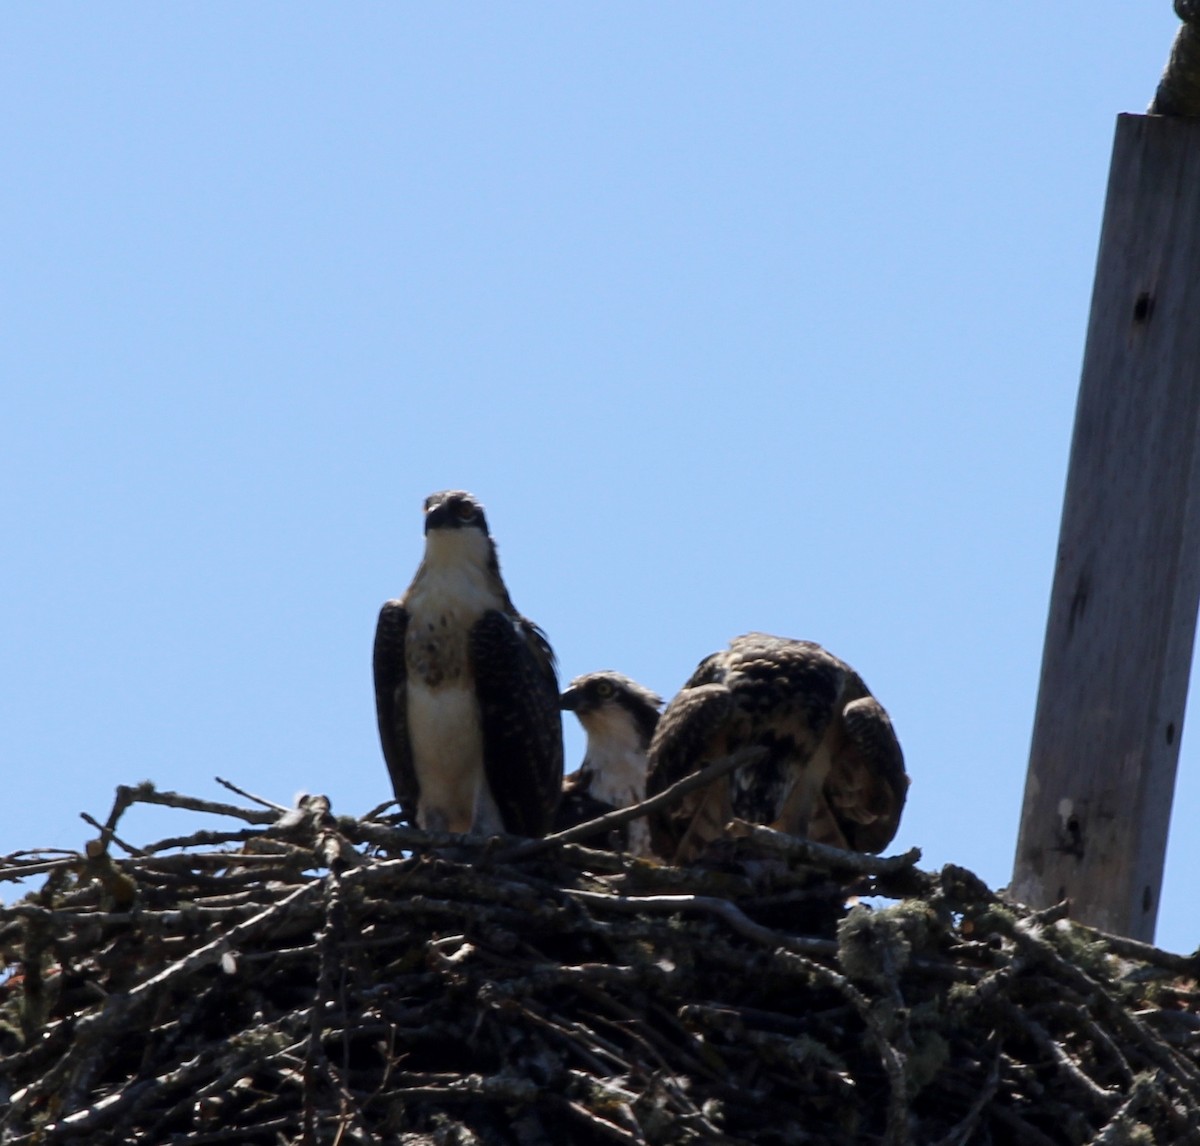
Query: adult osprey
[[833, 769], [465, 688], [619, 716]]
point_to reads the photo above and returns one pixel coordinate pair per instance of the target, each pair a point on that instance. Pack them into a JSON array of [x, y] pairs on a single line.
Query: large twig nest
[[319, 980]]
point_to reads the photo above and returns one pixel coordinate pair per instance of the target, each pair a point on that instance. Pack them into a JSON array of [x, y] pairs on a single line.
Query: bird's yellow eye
[[604, 689], [465, 511]]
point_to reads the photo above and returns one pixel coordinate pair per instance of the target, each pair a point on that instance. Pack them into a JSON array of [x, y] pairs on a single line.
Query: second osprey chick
[[619, 716]]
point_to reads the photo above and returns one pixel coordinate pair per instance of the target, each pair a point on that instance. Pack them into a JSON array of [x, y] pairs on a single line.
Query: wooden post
[[1123, 605]]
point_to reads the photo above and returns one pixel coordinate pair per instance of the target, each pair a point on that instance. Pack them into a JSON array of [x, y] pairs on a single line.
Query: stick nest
[[312, 979]]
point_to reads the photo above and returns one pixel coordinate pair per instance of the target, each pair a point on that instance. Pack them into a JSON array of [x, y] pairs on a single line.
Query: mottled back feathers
[[832, 771]]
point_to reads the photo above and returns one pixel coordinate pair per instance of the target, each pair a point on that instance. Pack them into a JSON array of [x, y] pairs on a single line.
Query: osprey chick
[[465, 688], [619, 717], [833, 771]]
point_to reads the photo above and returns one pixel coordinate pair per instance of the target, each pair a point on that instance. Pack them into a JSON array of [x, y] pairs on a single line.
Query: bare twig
[[822, 855], [721, 908], [251, 796], [107, 834], [663, 799], [1138, 952]]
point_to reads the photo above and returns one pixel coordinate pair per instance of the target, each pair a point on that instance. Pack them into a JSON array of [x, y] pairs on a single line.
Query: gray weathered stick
[[663, 799]]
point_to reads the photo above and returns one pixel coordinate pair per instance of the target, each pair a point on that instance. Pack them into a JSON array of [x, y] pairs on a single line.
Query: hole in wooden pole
[[1143, 308], [1073, 845], [1171, 733]]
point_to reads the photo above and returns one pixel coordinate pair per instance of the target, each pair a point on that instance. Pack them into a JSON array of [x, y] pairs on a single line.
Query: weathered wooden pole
[[1122, 615]]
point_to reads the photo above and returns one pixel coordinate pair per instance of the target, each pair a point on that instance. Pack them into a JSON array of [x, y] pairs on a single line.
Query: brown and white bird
[[833, 770], [466, 689], [619, 716]]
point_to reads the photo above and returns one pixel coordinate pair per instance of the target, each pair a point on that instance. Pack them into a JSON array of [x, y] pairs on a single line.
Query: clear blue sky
[[735, 316]]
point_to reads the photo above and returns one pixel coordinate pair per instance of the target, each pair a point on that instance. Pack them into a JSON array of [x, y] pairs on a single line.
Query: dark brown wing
[[867, 785], [522, 726], [390, 703], [578, 806], [688, 735]]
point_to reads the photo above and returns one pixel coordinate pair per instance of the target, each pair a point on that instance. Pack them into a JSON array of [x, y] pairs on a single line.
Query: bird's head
[[608, 702], [454, 509], [456, 532]]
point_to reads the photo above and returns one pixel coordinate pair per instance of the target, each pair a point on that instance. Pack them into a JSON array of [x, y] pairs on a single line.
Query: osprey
[[833, 769], [465, 688], [619, 716]]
